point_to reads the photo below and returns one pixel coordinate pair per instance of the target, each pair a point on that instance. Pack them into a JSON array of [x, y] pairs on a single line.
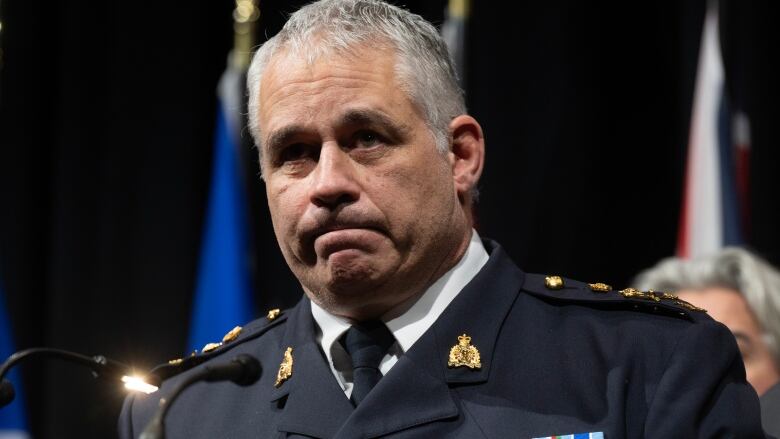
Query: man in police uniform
[[412, 326]]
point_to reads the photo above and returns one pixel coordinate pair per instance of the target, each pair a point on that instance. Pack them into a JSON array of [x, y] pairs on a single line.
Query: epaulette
[[233, 338], [557, 288]]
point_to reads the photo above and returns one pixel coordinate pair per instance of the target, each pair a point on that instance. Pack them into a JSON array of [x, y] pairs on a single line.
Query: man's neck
[[409, 320], [414, 316]]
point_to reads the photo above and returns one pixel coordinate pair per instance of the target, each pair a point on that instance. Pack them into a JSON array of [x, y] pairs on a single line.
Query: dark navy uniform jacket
[[553, 362]]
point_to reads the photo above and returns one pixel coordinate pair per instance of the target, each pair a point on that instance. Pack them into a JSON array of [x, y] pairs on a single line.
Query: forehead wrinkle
[[293, 70], [303, 89], [282, 64]]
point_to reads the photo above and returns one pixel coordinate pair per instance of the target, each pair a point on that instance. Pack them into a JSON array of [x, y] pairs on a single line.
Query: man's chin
[[349, 276], [348, 280], [351, 265]]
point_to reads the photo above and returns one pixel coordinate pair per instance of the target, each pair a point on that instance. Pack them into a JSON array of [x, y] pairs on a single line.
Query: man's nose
[[334, 178]]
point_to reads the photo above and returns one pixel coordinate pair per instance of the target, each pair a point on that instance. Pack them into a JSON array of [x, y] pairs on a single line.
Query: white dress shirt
[[408, 322]]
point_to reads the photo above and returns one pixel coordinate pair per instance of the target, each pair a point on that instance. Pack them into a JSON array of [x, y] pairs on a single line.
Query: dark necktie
[[366, 343]]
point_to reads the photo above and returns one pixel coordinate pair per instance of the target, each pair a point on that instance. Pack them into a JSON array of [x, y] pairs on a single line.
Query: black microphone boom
[[100, 366], [243, 370]]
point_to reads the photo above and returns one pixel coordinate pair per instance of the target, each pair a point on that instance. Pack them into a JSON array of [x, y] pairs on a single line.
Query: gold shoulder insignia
[[231, 335], [273, 314], [679, 302], [634, 293], [657, 296], [210, 347]]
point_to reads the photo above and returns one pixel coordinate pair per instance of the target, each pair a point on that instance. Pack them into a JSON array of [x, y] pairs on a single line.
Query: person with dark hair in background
[[742, 291], [412, 325]]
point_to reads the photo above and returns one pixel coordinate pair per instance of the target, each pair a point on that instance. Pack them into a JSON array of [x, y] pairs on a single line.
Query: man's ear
[[467, 154]]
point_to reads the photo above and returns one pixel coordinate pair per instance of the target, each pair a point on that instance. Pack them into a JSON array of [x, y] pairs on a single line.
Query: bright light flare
[[138, 384]]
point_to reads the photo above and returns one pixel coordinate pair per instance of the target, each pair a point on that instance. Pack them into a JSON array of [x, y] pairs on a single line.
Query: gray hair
[[732, 267], [424, 67]]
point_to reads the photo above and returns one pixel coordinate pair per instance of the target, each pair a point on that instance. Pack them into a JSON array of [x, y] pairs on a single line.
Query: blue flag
[[223, 295], [13, 423]]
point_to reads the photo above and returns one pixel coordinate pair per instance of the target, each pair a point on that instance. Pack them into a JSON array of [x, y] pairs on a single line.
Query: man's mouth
[[311, 234], [337, 239]]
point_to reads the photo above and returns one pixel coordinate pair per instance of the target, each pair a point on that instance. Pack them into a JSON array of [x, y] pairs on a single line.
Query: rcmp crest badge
[[464, 354]]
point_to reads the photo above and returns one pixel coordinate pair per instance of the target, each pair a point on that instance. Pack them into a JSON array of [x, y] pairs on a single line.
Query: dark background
[[107, 113]]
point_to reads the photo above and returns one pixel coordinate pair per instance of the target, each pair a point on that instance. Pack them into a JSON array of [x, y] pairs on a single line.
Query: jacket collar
[[416, 391], [313, 402]]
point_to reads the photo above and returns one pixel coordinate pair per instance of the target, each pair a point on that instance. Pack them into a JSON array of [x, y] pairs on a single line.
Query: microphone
[[243, 370], [100, 366], [7, 393]]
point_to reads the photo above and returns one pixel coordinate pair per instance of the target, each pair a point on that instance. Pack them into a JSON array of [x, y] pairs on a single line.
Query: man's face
[[730, 308], [363, 204]]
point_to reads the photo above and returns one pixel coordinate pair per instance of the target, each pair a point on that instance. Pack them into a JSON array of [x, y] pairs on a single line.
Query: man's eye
[[367, 139], [294, 152]]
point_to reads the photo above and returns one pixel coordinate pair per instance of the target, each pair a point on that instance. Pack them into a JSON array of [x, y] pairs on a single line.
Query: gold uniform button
[[274, 313], [553, 282], [600, 287]]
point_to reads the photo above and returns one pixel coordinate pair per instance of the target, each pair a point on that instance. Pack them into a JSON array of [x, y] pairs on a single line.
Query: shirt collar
[[408, 322]]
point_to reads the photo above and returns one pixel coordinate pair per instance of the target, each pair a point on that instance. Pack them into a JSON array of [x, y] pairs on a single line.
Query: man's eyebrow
[[368, 117], [282, 136], [355, 117]]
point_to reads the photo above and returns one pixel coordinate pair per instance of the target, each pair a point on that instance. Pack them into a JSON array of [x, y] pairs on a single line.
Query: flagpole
[[454, 32], [245, 18], [224, 295]]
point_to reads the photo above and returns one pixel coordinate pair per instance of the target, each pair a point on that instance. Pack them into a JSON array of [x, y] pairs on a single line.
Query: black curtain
[[586, 119], [586, 110], [106, 122]]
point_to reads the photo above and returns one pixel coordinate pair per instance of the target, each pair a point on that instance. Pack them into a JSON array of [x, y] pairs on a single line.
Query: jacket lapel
[[313, 402], [479, 312], [416, 390], [412, 393]]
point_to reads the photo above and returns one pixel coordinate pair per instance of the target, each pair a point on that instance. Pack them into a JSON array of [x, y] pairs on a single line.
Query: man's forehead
[[363, 88]]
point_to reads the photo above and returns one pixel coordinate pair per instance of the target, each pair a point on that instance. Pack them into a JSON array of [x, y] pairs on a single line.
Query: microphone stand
[[100, 366], [243, 370], [155, 429]]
